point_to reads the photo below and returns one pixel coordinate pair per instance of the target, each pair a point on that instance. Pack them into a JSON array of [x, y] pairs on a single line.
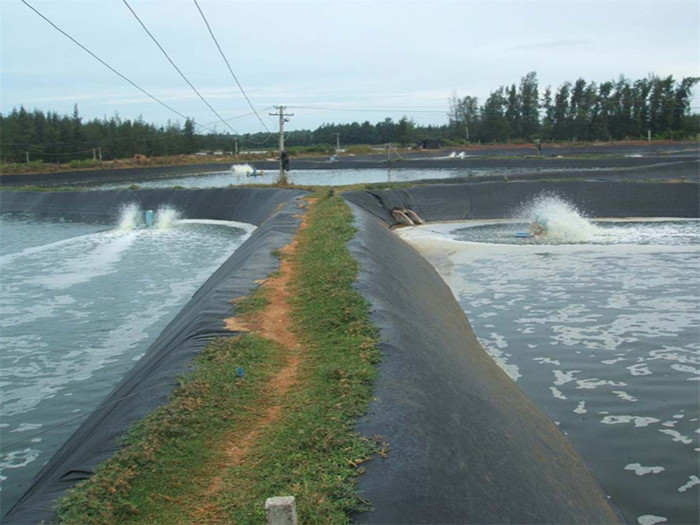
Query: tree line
[[51, 137], [585, 111], [578, 111]]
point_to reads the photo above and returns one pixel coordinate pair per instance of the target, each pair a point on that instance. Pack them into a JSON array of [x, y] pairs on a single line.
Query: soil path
[[274, 323]]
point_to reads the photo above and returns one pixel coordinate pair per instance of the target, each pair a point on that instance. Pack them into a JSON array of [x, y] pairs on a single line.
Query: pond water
[[598, 322], [80, 304], [243, 174]]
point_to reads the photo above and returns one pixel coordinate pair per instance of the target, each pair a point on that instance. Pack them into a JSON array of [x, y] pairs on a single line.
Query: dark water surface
[[603, 333], [79, 305]]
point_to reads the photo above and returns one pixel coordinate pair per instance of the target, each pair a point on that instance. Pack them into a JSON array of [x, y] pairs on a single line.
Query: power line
[[177, 68], [108, 66], [206, 22]]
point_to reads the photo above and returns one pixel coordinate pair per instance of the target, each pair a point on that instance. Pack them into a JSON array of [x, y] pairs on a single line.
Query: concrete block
[[281, 510]]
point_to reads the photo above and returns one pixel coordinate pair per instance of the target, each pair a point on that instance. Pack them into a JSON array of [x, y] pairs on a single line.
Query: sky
[[328, 61]]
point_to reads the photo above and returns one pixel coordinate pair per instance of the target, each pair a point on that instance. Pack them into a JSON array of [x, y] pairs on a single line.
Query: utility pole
[[235, 147], [26, 155], [337, 143], [283, 118]]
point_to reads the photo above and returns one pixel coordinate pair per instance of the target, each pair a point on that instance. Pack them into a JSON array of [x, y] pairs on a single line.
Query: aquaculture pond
[[599, 323], [80, 303]]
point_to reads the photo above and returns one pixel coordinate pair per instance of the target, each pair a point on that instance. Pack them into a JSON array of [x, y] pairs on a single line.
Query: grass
[[172, 458], [169, 447]]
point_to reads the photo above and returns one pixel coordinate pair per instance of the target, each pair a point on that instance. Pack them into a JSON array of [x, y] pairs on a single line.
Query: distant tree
[[578, 111], [683, 123], [189, 141], [603, 113], [640, 107], [661, 103], [622, 99], [404, 131], [548, 119], [494, 124], [385, 131], [77, 137], [561, 123], [513, 113], [529, 106], [463, 116]]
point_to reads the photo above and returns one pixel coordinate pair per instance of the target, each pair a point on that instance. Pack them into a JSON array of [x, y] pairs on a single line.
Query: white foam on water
[[637, 420], [546, 361], [677, 436], [99, 256], [688, 370], [650, 519], [640, 369], [694, 480], [25, 427], [246, 227], [594, 382], [242, 169], [556, 393], [17, 459], [27, 252], [624, 395], [639, 470], [613, 361]]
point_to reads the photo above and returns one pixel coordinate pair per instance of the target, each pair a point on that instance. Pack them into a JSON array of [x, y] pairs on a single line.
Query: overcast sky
[[327, 58]]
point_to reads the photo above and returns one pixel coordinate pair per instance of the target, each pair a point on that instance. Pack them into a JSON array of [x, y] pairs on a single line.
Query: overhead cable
[[221, 52], [93, 55], [177, 68]]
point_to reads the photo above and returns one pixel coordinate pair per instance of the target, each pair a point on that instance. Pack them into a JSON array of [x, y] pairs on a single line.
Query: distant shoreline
[[514, 156]]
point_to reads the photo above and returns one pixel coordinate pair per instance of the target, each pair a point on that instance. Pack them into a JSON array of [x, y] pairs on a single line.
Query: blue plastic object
[[149, 218]]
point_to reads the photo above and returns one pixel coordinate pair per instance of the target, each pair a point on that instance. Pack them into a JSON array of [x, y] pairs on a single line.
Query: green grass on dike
[[311, 451]]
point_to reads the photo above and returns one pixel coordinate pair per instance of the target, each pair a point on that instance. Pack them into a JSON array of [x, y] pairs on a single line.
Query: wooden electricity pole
[[283, 118]]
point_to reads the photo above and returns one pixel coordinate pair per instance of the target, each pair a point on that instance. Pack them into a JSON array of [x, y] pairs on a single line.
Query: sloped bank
[[148, 385], [466, 445]]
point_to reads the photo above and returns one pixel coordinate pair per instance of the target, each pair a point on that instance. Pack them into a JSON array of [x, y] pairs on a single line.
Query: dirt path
[[274, 323]]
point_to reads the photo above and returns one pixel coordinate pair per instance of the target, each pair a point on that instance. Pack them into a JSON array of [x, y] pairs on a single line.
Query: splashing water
[[166, 217], [563, 222], [131, 217], [242, 169]]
